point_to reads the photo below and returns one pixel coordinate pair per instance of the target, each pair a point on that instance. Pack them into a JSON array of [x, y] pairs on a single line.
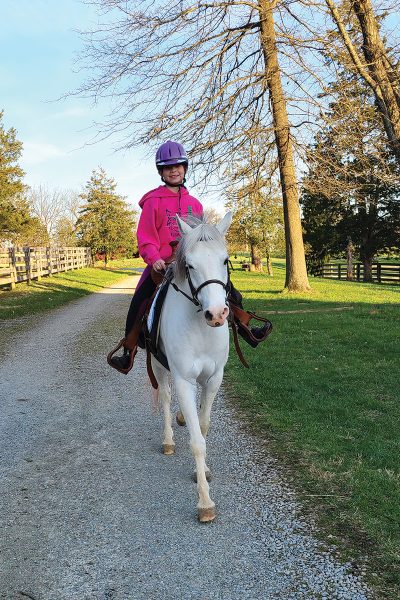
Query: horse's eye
[[189, 266]]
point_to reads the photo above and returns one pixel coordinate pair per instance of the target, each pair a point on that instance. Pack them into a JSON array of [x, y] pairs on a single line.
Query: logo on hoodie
[[172, 223]]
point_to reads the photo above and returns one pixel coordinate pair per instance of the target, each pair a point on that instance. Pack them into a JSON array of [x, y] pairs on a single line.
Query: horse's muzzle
[[217, 318]]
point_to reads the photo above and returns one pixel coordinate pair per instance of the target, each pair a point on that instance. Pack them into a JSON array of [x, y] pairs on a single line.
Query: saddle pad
[[153, 324]]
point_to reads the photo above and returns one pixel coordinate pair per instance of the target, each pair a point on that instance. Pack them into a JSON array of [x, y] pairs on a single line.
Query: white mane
[[202, 232]]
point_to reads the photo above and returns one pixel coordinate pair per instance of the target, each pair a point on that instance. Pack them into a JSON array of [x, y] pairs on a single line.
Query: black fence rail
[[381, 272]]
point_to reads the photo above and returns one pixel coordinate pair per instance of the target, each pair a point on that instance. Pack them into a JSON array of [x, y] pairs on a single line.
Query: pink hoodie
[[157, 226]]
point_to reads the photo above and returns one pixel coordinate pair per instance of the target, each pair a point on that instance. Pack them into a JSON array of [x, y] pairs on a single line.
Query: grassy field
[[324, 391], [59, 289]]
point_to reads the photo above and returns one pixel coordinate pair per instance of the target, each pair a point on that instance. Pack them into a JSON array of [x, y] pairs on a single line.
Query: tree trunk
[[255, 259], [252, 253], [269, 264], [377, 71], [296, 271], [382, 72], [367, 262], [350, 250]]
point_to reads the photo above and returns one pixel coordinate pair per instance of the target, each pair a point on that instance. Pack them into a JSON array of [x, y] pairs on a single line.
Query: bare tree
[[49, 206], [254, 197], [375, 63], [212, 215], [207, 73]]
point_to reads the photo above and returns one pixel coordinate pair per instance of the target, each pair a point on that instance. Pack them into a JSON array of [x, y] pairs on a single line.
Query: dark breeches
[[235, 296], [141, 294]]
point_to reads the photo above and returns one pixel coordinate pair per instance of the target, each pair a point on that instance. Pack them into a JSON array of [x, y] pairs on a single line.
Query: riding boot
[[252, 335], [130, 343]]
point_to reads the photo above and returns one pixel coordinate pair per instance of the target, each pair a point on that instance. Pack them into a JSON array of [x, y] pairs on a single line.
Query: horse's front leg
[[208, 392], [187, 398], [164, 397]]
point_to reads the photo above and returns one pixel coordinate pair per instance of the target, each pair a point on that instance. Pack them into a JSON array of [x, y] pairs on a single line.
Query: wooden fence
[[381, 272], [24, 264]]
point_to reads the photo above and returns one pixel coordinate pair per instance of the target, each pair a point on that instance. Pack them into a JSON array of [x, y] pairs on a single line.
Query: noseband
[[195, 291]]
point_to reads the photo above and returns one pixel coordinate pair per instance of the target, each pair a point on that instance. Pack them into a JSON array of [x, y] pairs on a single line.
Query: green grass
[[59, 289], [324, 391]]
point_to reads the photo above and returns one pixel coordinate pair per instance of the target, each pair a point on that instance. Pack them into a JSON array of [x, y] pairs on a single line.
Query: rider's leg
[[132, 326], [141, 294]]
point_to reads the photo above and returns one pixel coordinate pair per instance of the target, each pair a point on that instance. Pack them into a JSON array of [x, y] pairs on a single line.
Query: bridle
[[195, 291]]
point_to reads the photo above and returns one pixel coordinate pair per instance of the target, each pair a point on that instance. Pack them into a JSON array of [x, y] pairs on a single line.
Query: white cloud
[[36, 152]]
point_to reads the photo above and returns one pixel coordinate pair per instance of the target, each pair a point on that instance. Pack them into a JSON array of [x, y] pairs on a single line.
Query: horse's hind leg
[[164, 396], [187, 398]]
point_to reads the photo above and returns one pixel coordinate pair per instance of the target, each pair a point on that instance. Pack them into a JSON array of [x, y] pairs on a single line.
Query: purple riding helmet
[[171, 153]]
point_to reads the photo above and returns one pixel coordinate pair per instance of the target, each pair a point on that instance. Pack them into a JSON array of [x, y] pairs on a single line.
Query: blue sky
[[39, 46]]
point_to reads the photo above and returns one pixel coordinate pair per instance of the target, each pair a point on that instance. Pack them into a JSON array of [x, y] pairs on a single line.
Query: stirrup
[[131, 355], [243, 318]]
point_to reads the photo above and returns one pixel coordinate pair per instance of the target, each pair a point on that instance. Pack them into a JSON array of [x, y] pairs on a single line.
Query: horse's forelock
[[202, 231]]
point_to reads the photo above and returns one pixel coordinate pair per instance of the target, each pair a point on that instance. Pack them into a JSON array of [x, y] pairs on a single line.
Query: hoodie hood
[[162, 192]]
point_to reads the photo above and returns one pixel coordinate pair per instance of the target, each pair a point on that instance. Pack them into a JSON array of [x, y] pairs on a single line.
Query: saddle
[[151, 322], [147, 337], [143, 336]]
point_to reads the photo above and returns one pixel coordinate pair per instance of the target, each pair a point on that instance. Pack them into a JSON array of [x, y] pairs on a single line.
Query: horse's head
[[202, 259]]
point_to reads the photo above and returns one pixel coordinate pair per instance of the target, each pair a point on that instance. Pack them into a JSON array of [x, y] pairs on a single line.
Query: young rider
[[157, 228]]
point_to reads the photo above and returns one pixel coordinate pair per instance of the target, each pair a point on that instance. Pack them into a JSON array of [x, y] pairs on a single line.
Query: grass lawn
[[61, 288], [324, 390]]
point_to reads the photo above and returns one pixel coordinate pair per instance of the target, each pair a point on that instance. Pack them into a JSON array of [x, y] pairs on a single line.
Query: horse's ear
[[224, 225], [183, 227]]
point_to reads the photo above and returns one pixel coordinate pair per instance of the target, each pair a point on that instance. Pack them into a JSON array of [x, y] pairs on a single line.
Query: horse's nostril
[[208, 315], [217, 324]]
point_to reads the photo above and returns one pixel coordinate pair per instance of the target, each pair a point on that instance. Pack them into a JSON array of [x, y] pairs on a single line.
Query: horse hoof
[[208, 476], [168, 449], [180, 419], [206, 515]]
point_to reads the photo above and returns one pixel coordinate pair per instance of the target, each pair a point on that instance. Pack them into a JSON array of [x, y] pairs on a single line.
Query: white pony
[[194, 337]]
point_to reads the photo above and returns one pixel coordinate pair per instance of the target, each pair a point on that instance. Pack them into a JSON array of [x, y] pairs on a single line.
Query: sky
[[39, 43]]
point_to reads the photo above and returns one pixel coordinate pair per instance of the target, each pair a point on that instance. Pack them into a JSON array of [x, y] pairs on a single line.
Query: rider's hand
[[159, 265]]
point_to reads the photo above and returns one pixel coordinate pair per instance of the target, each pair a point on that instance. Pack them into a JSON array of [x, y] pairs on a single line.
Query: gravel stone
[[91, 510]]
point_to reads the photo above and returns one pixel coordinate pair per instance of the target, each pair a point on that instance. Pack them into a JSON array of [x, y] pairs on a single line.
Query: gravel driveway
[[91, 510]]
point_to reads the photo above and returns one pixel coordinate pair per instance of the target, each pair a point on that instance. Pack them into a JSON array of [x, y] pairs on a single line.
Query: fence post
[[358, 271], [38, 256], [13, 267], [339, 271], [48, 258], [27, 259], [378, 272], [58, 260]]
